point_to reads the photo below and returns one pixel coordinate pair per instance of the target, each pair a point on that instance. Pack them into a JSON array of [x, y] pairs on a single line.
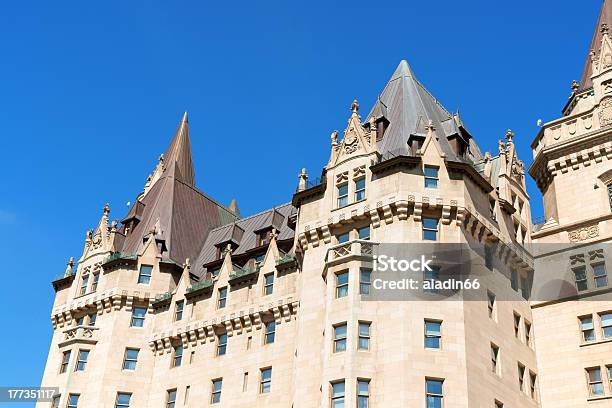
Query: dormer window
[[431, 176], [263, 238]]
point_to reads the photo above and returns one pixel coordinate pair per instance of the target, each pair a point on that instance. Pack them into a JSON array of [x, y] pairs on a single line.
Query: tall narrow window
[[364, 233], [527, 333], [270, 332], [130, 358], [342, 195], [365, 281], [586, 326], [600, 275], [521, 376], [215, 396], [144, 276], [517, 325], [364, 336], [491, 303], [514, 284], [178, 310], [360, 191], [84, 285], [245, 381], [268, 284], [81, 360], [65, 361], [138, 317], [610, 195], [222, 299], [594, 381], [123, 400], [187, 389], [434, 394], [94, 284], [488, 249], [265, 381], [430, 278], [430, 229], [222, 345], [337, 394], [580, 278], [340, 338], [91, 319], [342, 284], [431, 177], [73, 401], [532, 384], [177, 359], [170, 398], [606, 326], [433, 334], [494, 359], [610, 376], [363, 393]]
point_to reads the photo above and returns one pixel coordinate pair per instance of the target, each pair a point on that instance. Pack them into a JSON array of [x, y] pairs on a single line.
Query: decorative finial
[[106, 209], [161, 158], [303, 179], [430, 126], [509, 135], [575, 85], [334, 138], [355, 106], [114, 225], [372, 123], [69, 265], [501, 146], [187, 264], [88, 235], [604, 28]]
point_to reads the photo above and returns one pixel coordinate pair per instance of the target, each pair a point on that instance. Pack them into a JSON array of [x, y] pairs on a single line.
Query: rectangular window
[[245, 381], [263, 238], [268, 284], [342, 238], [610, 195], [430, 229], [434, 395], [178, 310], [144, 276], [270, 332], [433, 334], [360, 192], [222, 300], [363, 393], [488, 257], [600, 275], [214, 272], [170, 398], [430, 278], [594, 381], [610, 376], [494, 359], [265, 381], [491, 305], [215, 396], [580, 278], [340, 338], [342, 195], [521, 376], [91, 318], [94, 284], [222, 345], [532, 384], [80, 321], [138, 317], [73, 401], [337, 394], [527, 333], [123, 400], [342, 284], [517, 325], [178, 356], [130, 357], [587, 328], [187, 388], [364, 233], [84, 287], [431, 177], [81, 360], [65, 361], [606, 326], [364, 336], [514, 279], [365, 280], [524, 288]]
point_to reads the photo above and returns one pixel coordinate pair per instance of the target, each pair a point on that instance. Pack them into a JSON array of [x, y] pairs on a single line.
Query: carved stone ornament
[[605, 112], [582, 234]]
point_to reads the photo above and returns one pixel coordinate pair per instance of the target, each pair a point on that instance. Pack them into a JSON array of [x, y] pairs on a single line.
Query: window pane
[[430, 235], [434, 387], [343, 189], [342, 238], [431, 183], [364, 233], [431, 171], [342, 278], [430, 223], [433, 328], [338, 389]]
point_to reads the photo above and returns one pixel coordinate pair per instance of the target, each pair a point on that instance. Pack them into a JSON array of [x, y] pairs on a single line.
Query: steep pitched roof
[[179, 214], [605, 17], [409, 106]]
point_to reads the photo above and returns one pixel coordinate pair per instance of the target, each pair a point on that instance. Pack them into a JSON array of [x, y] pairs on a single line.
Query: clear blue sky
[[92, 92]]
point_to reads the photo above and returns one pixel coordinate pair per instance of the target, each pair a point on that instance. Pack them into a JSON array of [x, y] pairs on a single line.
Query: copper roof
[[605, 17]]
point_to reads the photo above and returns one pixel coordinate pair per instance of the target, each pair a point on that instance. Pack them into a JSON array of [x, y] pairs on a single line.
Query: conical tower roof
[[605, 17], [178, 154]]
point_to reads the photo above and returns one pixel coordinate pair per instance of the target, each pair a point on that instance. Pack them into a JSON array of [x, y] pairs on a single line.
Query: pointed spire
[[178, 156], [233, 207], [601, 28]]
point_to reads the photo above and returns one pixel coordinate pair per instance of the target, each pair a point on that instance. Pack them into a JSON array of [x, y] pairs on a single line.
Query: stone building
[[184, 302]]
